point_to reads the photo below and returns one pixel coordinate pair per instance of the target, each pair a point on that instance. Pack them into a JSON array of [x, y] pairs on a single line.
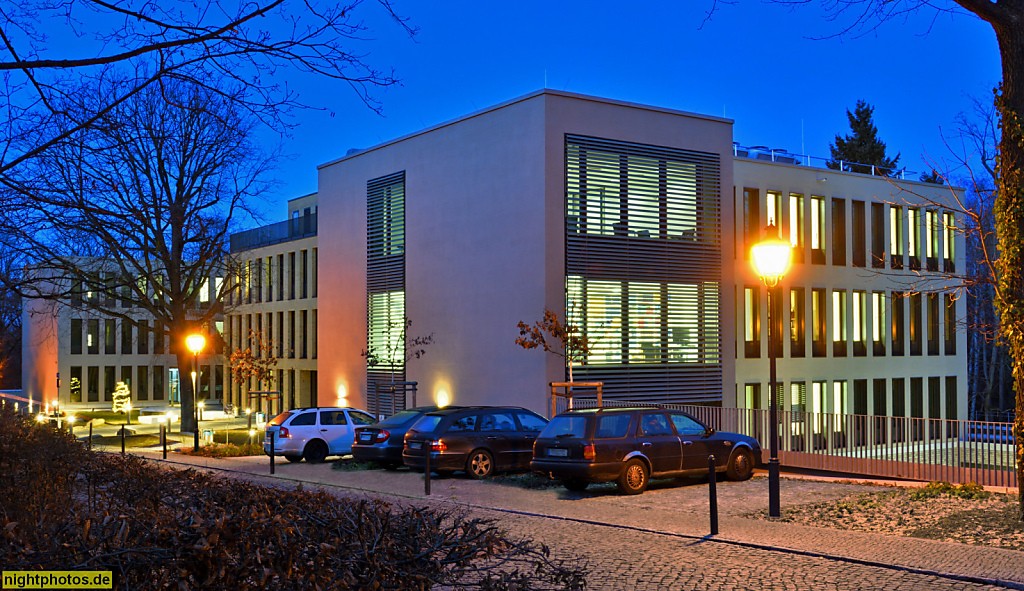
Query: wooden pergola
[[569, 393]]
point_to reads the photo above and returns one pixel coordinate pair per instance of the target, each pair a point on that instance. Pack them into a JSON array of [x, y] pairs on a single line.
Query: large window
[[914, 244], [818, 323], [933, 324], [817, 230], [948, 242], [92, 336], [896, 236], [916, 325], [949, 324], [751, 322], [839, 315], [142, 383], [860, 323], [797, 323], [385, 276], [796, 226], [76, 337], [838, 231], [76, 384], [878, 235], [932, 239], [859, 234], [878, 323], [899, 307]]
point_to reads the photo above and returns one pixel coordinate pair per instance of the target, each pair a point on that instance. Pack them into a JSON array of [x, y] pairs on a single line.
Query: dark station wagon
[[630, 445]]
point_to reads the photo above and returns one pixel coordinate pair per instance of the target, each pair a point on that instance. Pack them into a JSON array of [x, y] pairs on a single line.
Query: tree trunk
[[188, 398], [1009, 213]]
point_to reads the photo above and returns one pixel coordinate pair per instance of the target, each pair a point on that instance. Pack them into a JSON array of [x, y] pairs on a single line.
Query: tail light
[[438, 445], [588, 452], [282, 433], [382, 436]]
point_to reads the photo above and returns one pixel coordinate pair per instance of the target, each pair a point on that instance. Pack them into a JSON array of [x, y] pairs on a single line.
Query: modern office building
[[275, 301], [636, 221]]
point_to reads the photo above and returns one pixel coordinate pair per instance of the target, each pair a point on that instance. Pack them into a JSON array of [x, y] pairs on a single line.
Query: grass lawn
[[129, 440], [115, 418]]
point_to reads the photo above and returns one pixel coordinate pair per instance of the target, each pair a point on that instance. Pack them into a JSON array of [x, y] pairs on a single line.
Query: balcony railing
[[293, 229], [786, 157]]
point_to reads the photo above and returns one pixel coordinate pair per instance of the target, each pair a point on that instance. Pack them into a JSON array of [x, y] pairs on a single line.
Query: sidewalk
[[667, 509]]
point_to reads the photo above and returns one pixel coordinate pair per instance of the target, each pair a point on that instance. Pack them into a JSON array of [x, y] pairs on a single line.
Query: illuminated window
[[916, 325], [878, 323], [899, 307], [932, 239], [385, 280], [818, 392], [896, 236], [796, 226], [818, 230], [818, 322], [839, 323], [751, 322], [914, 245], [773, 209], [92, 337], [948, 242], [860, 324], [797, 322], [839, 402], [204, 292]]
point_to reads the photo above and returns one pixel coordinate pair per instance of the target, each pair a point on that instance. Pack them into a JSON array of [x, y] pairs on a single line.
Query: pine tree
[[862, 147]]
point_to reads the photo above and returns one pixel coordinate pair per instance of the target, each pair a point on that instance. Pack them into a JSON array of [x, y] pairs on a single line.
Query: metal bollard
[[122, 440], [163, 438], [713, 494], [271, 434], [90, 435], [427, 445]]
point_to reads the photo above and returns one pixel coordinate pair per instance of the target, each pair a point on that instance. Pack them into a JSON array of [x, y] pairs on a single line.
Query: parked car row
[[626, 445]]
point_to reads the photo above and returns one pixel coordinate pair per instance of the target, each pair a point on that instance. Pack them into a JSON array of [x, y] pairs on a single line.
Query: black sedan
[[382, 442], [477, 439], [631, 445]]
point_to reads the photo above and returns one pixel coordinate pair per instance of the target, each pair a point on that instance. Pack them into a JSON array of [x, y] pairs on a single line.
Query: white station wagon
[[314, 433]]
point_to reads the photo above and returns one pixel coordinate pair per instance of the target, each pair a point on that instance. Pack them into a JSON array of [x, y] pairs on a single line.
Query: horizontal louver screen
[[643, 268], [385, 279]]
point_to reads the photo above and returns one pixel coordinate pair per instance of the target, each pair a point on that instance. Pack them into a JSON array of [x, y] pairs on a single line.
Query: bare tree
[[241, 45], [10, 326], [130, 217]]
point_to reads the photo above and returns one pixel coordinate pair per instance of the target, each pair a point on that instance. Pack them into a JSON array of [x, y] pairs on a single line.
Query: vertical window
[[818, 392], [878, 323], [280, 277], [159, 346], [109, 336], [313, 271], [817, 230], [950, 324], [752, 396], [879, 395], [899, 307], [951, 398], [839, 323], [859, 234], [109, 382], [839, 401], [143, 337], [773, 209], [291, 335], [270, 278], [218, 382], [948, 242], [291, 275], [76, 337], [878, 235], [818, 323], [896, 236], [126, 337], [838, 231], [917, 408], [751, 322], [933, 324], [796, 226], [751, 220], [916, 325], [257, 279], [860, 324], [304, 270], [645, 306], [158, 382], [204, 293], [93, 384], [142, 382], [92, 337], [797, 323], [248, 282], [798, 405], [304, 334], [914, 244], [313, 329], [281, 334], [76, 383], [932, 239]]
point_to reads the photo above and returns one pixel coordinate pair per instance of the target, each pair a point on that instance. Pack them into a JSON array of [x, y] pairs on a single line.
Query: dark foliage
[[860, 150], [68, 509]]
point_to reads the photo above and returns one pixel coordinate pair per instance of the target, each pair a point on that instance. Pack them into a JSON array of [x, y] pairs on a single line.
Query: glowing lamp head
[[443, 398], [202, 404], [771, 257], [195, 343]]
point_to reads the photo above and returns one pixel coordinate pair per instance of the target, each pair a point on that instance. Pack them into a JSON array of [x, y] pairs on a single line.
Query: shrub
[[970, 490], [224, 450], [68, 509]]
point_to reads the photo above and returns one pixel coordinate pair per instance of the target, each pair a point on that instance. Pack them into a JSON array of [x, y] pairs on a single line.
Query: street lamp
[[771, 260], [195, 343]]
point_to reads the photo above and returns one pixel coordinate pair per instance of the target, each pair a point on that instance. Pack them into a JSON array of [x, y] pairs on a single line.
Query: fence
[[892, 447]]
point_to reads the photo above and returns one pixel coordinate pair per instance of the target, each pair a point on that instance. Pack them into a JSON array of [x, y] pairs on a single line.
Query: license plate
[[365, 437], [558, 453], [415, 445]]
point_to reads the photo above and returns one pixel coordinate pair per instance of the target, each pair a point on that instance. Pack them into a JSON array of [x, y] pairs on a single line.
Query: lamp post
[[195, 343], [771, 260]]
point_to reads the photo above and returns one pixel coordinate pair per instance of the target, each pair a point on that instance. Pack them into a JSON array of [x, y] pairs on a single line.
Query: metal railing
[[786, 157], [891, 447], [293, 229]]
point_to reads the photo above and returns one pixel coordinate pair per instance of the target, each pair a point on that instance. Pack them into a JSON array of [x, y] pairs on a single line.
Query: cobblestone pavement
[[659, 540]]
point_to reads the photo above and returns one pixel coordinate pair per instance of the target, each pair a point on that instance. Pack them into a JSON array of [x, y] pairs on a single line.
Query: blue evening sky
[[765, 66]]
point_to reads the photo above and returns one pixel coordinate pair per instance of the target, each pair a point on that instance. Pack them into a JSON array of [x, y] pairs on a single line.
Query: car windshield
[[566, 427], [276, 421], [427, 424], [400, 417]]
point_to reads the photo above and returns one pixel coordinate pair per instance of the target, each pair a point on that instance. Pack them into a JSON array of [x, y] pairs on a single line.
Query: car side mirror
[[709, 432]]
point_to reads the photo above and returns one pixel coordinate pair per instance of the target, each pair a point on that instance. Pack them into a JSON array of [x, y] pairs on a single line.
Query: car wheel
[[293, 457], [480, 464], [315, 452], [633, 479], [741, 465], [575, 484]]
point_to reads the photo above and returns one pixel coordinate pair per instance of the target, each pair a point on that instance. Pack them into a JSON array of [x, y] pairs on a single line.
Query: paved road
[[659, 540]]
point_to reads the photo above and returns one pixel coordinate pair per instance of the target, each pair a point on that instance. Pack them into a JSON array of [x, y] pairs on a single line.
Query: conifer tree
[[862, 147]]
